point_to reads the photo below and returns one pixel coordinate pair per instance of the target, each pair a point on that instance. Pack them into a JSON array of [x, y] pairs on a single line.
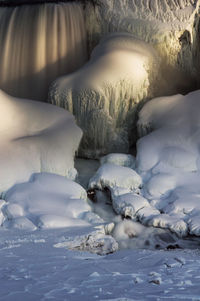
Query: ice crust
[[35, 137], [103, 95]]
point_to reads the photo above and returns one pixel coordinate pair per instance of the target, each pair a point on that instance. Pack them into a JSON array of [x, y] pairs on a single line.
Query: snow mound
[[173, 223], [128, 204], [35, 137], [119, 159], [168, 160], [110, 175], [46, 201], [95, 242], [104, 94]]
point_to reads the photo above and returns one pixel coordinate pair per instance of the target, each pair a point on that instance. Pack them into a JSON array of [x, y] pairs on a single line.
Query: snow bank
[[104, 94], [46, 201], [35, 137], [168, 160]]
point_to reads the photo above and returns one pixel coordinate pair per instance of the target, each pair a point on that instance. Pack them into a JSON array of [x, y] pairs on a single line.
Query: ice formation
[[38, 43], [104, 94], [35, 137], [172, 27], [95, 242], [46, 201]]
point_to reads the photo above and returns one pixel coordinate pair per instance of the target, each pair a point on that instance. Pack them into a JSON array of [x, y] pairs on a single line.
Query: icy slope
[[35, 137], [104, 94]]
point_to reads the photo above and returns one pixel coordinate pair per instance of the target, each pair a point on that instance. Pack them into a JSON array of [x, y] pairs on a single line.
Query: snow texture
[[111, 175], [95, 242], [35, 137], [33, 268], [46, 201], [168, 161], [119, 159], [103, 95]]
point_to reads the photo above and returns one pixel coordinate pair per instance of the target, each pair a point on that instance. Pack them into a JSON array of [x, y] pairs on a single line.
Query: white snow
[[106, 92], [168, 160], [128, 204], [111, 175], [38, 266], [35, 137], [50, 240], [119, 159], [95, 242], [46, 201]]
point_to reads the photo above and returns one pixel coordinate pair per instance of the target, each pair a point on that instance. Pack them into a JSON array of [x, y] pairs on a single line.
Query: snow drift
[[104, 94], [35, 137]]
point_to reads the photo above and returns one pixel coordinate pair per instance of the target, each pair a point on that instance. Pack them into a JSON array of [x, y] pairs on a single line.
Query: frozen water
[[103, 95], [170, 26]]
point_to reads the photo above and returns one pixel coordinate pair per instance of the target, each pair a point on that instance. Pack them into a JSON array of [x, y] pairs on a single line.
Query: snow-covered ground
[[138, 236], [32, 268], [54, 264]]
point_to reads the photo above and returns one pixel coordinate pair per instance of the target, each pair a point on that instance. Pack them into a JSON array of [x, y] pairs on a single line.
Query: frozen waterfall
[[38, 43]]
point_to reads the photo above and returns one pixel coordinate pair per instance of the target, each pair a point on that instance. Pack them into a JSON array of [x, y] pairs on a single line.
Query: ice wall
[[170, 26], [104, 94], [38, 43]]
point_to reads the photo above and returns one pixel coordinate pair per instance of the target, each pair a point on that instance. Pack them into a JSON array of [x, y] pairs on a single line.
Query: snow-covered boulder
[[168, 160], [35, 137], [173, 145], [46, 201], [113, 176], [128, 204], [103, 95], [119, 159]]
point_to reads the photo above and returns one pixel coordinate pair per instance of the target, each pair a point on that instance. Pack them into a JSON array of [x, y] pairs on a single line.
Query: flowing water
[[38, 43]]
